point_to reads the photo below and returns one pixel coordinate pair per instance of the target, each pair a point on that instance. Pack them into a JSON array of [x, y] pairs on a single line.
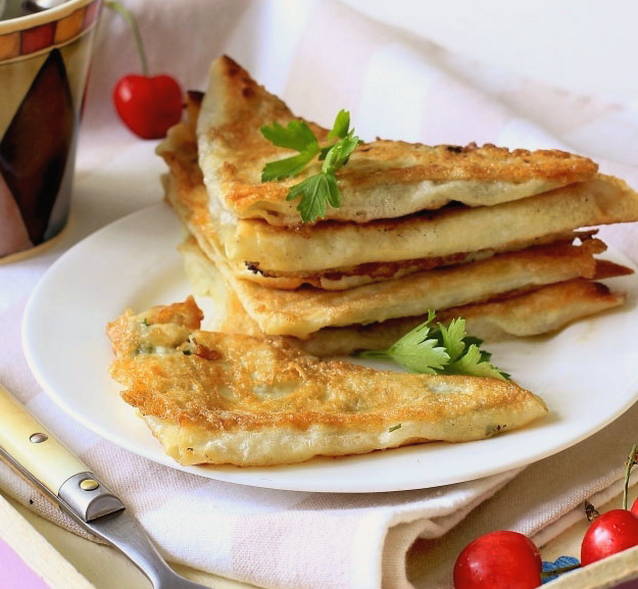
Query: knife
[[36, 454]]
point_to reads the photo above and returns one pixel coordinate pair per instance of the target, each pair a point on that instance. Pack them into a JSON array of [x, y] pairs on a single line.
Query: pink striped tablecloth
[[320, 57]]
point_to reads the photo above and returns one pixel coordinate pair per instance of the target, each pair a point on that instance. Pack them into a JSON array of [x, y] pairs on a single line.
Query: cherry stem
[[560, 571], [631, 461], [128, 16]]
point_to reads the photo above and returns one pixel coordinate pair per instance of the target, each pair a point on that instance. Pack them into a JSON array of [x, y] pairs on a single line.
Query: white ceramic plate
[[586, 374]]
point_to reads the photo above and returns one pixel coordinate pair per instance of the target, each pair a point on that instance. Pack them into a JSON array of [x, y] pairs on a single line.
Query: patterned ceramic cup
[[44, 62]]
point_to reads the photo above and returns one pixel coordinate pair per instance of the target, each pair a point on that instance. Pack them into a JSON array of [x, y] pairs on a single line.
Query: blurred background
[[565, 67], [542, 74]]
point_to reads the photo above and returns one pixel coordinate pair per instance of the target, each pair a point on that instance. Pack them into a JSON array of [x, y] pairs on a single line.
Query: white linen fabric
[[319, 56]]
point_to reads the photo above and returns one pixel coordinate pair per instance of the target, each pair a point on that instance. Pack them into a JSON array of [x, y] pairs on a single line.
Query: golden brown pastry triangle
[[220, 398], [383, 179]]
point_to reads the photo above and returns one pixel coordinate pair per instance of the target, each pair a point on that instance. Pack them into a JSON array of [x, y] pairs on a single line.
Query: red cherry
[[498, 560], [634, 507], [609, 533], [148, 106]]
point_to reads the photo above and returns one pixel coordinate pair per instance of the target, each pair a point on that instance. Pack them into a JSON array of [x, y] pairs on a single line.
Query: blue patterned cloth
[[559, 563]]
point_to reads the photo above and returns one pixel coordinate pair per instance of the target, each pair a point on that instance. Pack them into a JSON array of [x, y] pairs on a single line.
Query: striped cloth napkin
[[320, 56]]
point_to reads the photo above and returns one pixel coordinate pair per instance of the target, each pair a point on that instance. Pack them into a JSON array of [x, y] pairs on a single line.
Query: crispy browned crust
[[210, 385], [126, 336], [353, 276], [302, 312], [541, 311], [241, 107], [551, 217], [608, 269]]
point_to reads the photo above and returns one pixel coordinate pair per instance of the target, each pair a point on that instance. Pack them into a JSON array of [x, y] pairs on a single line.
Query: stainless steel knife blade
[[121, 530]]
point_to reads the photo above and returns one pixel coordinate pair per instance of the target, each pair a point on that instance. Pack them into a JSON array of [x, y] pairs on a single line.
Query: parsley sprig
[[439, 350], [320, 190]]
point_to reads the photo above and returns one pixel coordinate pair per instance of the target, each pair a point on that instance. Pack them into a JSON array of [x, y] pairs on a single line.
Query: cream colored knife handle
[[46, 462], [33, 448], [26, 444]]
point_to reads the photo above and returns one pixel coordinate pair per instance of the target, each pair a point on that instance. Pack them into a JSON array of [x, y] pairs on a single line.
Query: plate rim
[[162, 458]]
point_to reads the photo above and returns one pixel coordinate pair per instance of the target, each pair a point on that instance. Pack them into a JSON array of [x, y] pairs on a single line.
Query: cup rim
[[28, 21]]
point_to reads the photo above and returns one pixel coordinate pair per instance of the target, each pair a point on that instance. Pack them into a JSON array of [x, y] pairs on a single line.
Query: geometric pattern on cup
[[21, 43]]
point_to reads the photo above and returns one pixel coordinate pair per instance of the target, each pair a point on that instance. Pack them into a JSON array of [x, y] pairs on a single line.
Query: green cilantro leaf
[[296, 135], [339, 153], [341, 125], [320, 190], [290, 166], [452, 337], [316, 192], [471, 363], [440, 350], [415, 351]]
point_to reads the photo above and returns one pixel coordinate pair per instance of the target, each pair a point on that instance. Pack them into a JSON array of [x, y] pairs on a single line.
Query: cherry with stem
[[148, 105], [612, 531]]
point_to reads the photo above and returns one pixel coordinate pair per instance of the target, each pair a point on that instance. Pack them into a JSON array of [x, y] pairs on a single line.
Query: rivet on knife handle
[[35, 452], [88, 498]]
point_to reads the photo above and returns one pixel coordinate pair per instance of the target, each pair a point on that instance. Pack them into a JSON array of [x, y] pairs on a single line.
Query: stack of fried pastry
[[486, 233]]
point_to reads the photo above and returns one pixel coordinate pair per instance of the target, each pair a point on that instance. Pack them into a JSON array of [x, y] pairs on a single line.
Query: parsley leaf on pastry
[[296, 135], [320, 190], [416, 350], [439, 350]]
